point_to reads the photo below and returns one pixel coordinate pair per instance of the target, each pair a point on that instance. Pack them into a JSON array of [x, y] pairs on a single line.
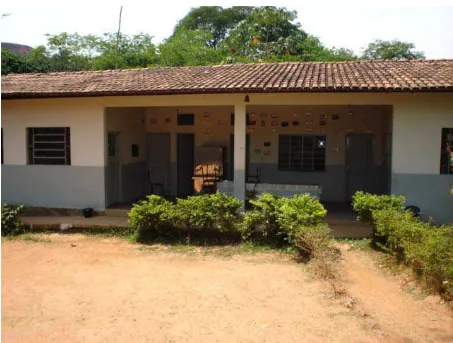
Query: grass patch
[[28, 237], [356, 243], [222, 251]]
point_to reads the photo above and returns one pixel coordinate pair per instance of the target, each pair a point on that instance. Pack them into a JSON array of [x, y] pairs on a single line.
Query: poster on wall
[[274, 115], [323, 120]]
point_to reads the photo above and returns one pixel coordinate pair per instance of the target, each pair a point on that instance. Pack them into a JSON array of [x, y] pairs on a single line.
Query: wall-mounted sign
[[274, 115]]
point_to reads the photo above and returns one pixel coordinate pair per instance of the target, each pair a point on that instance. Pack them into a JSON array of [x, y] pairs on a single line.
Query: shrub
[[151, 217], [298, 212], [311, 240], [261, 221], [365, 203], [11, 224], [218, 212], [426, 248]]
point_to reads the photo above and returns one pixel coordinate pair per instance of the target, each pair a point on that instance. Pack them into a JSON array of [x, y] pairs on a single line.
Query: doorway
[[159, 163], [360, 164], [113, 173], [185, 147]]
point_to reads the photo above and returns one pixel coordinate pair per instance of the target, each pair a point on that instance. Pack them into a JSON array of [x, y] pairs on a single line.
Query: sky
[[351, 25]]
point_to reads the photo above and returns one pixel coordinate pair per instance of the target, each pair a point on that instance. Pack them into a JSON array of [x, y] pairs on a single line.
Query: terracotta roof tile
[[366, 76]]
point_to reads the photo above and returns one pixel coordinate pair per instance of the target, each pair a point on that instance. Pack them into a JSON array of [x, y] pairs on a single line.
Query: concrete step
[[117, 212]]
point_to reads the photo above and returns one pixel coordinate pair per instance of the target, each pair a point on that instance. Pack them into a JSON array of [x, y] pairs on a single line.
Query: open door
[[185, 148], [159, 163]]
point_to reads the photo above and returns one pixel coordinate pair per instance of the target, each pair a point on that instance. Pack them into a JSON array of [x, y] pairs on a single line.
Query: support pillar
[[239, 151]]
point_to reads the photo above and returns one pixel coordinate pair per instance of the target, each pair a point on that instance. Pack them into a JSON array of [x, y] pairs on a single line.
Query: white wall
[[129, 121], [84, 117], [417, 127]]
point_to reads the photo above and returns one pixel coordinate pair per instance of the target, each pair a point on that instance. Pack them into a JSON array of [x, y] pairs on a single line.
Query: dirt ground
[[76, 288]]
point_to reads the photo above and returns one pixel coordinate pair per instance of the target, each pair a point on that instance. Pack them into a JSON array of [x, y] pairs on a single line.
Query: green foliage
[[207, 35], [209, 212], [11, 224], [391, 50], [299, 212], [188, 48], [151, 217], [261, 221], [365, 203], [428, 249], [12, 63], [214, 20]]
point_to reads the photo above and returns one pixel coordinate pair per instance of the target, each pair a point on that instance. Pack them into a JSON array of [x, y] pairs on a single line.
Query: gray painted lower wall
[[54, 186], [134, 181], [429, 192]]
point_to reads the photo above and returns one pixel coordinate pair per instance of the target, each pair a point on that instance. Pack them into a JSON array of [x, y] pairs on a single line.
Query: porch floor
[[77, 221], [343, 223]]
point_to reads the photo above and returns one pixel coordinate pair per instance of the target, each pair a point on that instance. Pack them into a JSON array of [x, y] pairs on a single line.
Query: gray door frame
[[347, 158]]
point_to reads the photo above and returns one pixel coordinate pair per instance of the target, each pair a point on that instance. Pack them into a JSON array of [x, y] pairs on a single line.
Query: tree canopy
[[206, 35], [391, 50]]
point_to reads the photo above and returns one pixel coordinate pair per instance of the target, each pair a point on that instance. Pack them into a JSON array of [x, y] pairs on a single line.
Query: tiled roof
[[363, 76]]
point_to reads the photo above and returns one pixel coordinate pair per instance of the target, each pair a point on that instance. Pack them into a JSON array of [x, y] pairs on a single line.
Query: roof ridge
[[226, 65]]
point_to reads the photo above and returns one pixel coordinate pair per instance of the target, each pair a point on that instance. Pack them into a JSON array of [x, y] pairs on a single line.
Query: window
[[446, 153], [186, 119], [49, 145], [302, 153]]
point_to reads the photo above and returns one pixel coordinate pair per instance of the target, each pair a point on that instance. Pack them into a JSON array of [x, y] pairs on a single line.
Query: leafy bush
[[298, 212], [426, 248], [365, 203], [217, 212], [151, 217], [11, 224], [261, 221]]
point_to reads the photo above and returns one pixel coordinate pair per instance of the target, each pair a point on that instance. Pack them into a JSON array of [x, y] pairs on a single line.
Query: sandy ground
[[88, 289]]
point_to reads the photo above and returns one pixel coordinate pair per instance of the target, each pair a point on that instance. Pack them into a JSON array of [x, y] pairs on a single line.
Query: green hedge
[[279, 221], [426, 248], [11, 224]]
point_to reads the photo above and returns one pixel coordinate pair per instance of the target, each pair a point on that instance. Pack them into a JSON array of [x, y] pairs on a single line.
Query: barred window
[[446, 151], [49, 145], [302, 153]]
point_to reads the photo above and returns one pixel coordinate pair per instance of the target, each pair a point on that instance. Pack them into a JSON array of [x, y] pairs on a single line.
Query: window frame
[[315, 158], [446, 158], [182, 119], [49, 144]]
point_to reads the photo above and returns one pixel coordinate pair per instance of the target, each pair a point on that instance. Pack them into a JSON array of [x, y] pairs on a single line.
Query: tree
[[189, 48], [215, 20], [12, 63], [391, 50], [137, 51]]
